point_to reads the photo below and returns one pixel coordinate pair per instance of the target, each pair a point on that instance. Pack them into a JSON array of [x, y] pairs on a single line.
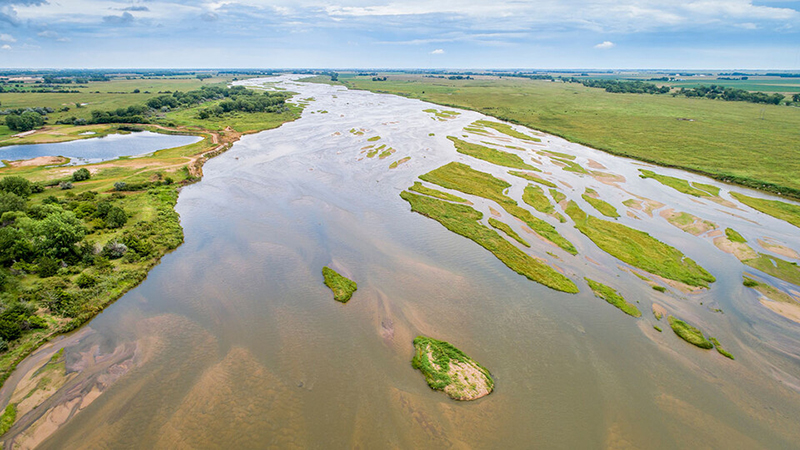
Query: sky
[[448, 34]]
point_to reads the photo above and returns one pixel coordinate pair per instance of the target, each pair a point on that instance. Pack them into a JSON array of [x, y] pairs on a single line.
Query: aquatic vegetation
[[534, 196], [612, 297], [374, 138], [402, 160], [422, 189], [660, 288], [721, 350], [734, 236], [778, 268], [558, 196], [341, 286], [689, 333], [442, 115], [448, 369], [532, 177], [559, 154], [694, 189], [491, 155], [603, 207], [464, 220], [657, 328], [386, 153], [461, 177], [502, 226], [780, 210], [506, 129], [570, 166], [769, 291], [639, 249]]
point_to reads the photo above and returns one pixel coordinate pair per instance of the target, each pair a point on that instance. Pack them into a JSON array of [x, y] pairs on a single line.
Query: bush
[[120, 185], [116, 217], [25, 121], [16, 185], [10, 201], [81, 174], [85, 281], [114, 250], [47, 267], [9, 329], [3, 345], [64, 185], [36, 322]]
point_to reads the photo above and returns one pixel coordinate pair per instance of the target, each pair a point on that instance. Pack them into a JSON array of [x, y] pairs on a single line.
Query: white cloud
[[7, 38], [6, 47], [604, 45], [438, 51]]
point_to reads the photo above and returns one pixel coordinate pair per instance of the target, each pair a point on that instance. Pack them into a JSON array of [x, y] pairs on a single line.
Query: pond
[[88, 151]]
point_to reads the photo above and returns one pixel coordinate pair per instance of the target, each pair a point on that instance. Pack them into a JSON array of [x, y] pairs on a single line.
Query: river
[[234, 342]]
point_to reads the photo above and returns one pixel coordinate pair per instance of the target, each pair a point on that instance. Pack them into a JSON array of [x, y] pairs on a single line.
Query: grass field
[[750, 144]]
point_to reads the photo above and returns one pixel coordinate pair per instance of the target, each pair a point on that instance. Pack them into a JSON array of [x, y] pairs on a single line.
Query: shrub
[[3, 345], [114, 250], [9, 329], [47, 267], [16, 185], [64, 185], [120, 185], [10, 201], [36, 322], [116, 217], [85, 280], [81, 174]]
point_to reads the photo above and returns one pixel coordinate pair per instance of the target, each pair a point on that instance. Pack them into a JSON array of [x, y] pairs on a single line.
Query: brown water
[[234, 342]]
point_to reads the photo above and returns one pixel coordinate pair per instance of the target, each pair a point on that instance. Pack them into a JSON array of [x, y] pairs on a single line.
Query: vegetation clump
[[506, 129], [532, 177], [422, 189], [734, 236], [464, 220], [689, 333], [780, 210], [8, 418], [612, 297], [681, 185], [491, 155], [448, 369], [639, 249], [341, 286], [604, 207], [502, 226], [777, 267], [462, 177], [721, 350], [534, 196]]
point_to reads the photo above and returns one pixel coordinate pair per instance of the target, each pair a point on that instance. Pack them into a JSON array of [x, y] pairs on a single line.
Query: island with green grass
[[448, 369], [341, 286]]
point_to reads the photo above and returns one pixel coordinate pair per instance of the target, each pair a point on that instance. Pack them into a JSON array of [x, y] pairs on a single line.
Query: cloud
[[209, 17], [6, 47], [7, 38], [438, 51], [135, 8], [605, 45], [50, 34], [124, 19]]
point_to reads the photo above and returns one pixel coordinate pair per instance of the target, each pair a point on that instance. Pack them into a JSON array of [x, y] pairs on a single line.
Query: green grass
[[612, 297], [603, 207], [660, 288], [689, 333], [464, 221], [780, 210], [723, 141], [439, 374], [8, 418], [679, 184], [721, 350], [502, 226], [374, 138], [422, 189], [571, 166], [491, 155], [402, 160], [507, 130], [341, 286], [769, 291], [535, 197], [559, 154], [243, 122], [734, 236], [778, 268], [657, 328], [461, 177], [558, 196], [639, 249], [532, 177]]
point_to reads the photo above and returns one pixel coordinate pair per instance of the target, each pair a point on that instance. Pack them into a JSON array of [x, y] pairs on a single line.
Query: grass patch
[[560, 155], [374, 138], [657, 328], [660, 288], [532, 177], [558, 196], [507, 130], [448, 369], [778, 268], [612, 297], [780, 210], [769, 291], [463, 220], [402, 160], [734, 236], [8, 418], [603, 207], [689, 333], [491, 155], [679, 184], [639, 249], [422, 189], [502, 226], [341, 286], [570, 166], [461, 177], [721, 350], [534, 196], [386, 153]]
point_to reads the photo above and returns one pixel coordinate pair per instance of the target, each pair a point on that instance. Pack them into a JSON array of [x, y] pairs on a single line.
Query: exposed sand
[[778, 248], [740, 250], [790, 311], [659, 311], [696, 227], [494, 212], [39, 161], [596, 165]]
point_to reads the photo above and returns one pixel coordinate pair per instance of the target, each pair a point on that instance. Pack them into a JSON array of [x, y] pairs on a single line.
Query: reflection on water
[[87, 151], [233, 340]]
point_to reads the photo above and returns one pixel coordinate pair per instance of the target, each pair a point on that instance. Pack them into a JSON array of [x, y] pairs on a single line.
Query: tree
[[116, 217], [796, 98], [16, 185], [26, 121], [81, 174], [57, 234], [10, 201]]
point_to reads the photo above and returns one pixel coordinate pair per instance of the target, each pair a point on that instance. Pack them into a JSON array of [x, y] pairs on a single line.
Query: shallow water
[[94, 150], [233, 341]]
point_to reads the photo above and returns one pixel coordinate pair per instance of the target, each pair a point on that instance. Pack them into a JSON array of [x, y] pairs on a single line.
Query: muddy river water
[[234, 342]]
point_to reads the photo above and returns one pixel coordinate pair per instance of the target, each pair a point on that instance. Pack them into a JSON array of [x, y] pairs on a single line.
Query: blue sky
[[546, 34]]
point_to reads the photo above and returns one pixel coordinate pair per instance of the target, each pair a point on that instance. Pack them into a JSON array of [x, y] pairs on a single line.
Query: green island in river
[[448, 369]]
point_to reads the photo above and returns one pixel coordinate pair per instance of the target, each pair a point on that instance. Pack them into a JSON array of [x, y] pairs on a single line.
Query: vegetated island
[[689, 333], [448, 369], [341, 286]]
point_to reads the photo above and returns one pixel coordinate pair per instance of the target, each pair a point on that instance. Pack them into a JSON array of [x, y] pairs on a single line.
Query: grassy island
[[612, 297], [689, 333], [341, 286], [448, 369]]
